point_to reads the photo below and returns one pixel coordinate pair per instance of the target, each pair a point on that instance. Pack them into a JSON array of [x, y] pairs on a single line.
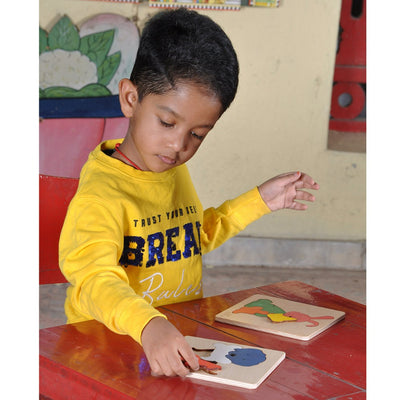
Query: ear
[[128, 97]]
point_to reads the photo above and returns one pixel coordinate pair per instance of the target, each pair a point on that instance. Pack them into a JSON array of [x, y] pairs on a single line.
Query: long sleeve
[[90, 246], [224, 222]]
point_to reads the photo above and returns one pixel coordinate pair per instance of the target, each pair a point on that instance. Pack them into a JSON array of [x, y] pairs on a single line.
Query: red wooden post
[[55, 193], [349, 82]]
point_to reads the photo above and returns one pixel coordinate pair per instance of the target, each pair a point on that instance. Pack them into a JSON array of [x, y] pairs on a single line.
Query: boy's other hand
[[165, 347], [284, 190]]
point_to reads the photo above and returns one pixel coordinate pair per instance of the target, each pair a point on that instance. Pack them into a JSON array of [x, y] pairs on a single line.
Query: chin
[[159, 168], [162, 167]]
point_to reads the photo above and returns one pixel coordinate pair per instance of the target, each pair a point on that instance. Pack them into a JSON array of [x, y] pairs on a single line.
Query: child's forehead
[[184, 84], [183, 88], [187, 99]]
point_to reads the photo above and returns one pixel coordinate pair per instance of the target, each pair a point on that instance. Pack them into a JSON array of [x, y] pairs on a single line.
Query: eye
[[166, 124], [197, 136]]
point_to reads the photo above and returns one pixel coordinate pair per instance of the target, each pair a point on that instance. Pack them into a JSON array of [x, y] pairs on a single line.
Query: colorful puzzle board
[[280, 317], [243, 366]]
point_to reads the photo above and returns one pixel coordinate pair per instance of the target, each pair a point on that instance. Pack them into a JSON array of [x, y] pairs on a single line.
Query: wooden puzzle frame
[[233, 372], [280, 317]]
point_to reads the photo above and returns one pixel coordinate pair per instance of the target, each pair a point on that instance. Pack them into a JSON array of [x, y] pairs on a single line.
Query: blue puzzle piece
[[246, 357]]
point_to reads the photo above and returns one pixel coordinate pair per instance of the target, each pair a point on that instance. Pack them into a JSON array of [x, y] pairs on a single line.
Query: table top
[[87, 360]]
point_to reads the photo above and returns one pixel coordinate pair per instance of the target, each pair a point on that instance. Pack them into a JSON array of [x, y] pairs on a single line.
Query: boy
[[135, 231]]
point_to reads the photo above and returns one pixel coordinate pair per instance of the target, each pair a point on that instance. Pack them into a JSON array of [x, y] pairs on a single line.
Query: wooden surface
[[86, 360]]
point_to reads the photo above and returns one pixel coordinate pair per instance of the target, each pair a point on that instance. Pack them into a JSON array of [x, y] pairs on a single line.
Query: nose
[[178, 141]]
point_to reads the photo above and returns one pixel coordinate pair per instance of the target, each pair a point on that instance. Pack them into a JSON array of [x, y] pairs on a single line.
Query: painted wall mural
[[85, 63], [75, 67], [79, 71], [89, 62]]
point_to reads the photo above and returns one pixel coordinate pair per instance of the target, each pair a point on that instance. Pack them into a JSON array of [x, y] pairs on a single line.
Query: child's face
[[166, 130]]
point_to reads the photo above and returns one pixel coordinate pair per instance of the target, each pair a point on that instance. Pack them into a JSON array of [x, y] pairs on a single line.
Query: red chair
[[55, 193]]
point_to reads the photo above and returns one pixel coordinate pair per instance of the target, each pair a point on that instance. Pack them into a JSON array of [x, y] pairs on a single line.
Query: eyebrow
[[178, 116]]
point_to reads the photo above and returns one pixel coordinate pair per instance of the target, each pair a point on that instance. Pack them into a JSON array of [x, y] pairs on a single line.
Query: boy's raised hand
[[165, 347], [283, 191]]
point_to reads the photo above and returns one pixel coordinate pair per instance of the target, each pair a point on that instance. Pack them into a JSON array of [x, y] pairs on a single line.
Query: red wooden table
[[88, 361]]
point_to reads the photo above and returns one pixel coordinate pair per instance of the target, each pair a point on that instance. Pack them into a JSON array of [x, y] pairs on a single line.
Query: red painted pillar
[[349, 82]]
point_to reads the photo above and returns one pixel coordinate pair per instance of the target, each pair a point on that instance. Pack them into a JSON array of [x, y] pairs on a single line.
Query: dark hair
[[182, 45]]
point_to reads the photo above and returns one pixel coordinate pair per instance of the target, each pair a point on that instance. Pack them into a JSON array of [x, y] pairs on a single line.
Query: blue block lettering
[[172, 253], [155, 250], [132, 253], [190, 241]]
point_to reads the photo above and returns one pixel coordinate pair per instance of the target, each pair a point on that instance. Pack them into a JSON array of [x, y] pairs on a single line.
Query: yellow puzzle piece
[[280, 318]]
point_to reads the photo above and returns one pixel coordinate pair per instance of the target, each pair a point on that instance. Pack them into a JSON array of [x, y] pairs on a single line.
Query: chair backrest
[[55, 194]]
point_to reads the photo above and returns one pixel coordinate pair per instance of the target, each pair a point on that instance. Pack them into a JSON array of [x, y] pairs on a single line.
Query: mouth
[[167, 160]]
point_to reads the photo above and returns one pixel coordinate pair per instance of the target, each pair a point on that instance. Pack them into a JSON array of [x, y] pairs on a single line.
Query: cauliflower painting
[[87, 66], [66, 69]]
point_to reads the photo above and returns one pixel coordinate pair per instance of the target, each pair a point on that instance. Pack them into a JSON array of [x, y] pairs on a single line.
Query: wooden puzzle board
[[297, 320], [232, 357]]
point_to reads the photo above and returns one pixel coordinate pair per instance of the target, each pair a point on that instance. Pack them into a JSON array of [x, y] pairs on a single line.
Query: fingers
[[300, 180], [166, 348], [305, 181], [189, 356], [176, 366], [184, 354], [155, 367], [290, 177], [298, 206], [302, 195], [169, 364]]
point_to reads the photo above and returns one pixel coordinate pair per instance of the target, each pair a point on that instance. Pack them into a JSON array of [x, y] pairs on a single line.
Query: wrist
[[153, 324], [269, 204]]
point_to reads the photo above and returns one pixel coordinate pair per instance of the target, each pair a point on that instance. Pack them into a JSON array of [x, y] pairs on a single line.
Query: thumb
[[291, 177]]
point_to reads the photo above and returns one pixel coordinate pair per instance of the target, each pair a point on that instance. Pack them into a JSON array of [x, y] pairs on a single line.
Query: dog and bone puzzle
[[280, 317]]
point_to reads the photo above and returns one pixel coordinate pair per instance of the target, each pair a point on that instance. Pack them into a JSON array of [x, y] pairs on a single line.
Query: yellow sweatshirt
[[132, 240]]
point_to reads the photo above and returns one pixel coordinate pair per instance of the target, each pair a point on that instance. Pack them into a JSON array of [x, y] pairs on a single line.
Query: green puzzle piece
[[266, 305]]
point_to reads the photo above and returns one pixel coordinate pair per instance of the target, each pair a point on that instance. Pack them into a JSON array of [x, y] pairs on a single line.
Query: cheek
[[191, 151], [150, 135]]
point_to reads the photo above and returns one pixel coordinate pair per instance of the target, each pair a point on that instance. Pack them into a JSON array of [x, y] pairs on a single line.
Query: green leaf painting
[[64, 36], [97, 45], [92, 90], [42, 40], [107, 69], [60, 42]]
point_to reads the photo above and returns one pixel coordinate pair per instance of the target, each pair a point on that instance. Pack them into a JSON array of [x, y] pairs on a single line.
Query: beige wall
[[279, 119]]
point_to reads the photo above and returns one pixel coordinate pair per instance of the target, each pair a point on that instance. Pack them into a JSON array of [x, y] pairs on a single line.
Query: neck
[[122, 157]]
